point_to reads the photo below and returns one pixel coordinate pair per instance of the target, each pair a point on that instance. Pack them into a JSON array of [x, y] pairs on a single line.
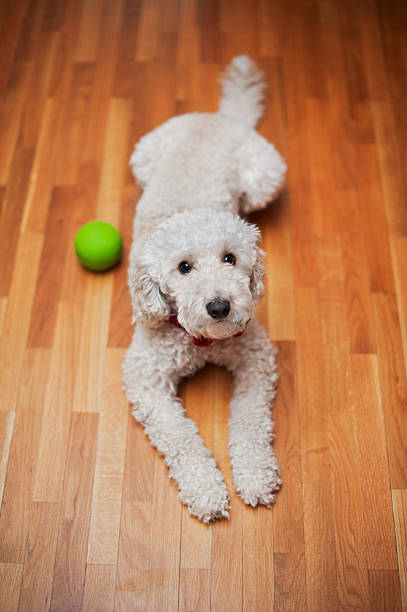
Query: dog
[[195, 275]]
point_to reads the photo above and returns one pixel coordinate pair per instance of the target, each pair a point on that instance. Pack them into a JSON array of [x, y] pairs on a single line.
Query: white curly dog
[[195, 276]]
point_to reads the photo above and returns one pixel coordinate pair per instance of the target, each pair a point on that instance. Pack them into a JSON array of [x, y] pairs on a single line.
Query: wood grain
[[88, 517], [290, 582], [108, 485], [70, 562], [195, 590], [288, 513], [393, 381], [99, 588], [16, 507], [39, 559], [6, 432], [384, 590], [374, 470], [17, 318], [10, 585], [400, 515]]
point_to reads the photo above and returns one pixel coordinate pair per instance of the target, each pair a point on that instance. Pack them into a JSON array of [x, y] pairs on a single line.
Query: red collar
[[201, 341]]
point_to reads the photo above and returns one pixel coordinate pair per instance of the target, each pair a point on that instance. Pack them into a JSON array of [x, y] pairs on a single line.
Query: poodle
[[195, 276]]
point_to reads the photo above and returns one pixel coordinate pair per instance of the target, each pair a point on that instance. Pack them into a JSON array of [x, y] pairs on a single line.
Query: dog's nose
[[218, 309]]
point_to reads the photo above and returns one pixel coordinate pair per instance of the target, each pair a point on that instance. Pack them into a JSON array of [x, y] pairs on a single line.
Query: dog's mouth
[[217, 330]]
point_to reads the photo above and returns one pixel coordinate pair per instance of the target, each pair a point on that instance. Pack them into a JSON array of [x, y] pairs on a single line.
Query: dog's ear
[[256, 279], [149, 304]]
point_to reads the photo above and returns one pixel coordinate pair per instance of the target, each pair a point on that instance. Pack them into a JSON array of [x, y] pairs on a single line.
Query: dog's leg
[[151, 381], [261, 173], [255, 468]]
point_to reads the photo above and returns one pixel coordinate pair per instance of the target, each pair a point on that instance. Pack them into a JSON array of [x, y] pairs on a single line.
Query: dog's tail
[[242, 91]]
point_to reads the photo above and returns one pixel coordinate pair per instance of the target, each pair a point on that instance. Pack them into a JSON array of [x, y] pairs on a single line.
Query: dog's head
[[203, 266]]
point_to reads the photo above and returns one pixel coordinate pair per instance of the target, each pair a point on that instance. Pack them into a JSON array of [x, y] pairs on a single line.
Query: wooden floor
[[89, 519]]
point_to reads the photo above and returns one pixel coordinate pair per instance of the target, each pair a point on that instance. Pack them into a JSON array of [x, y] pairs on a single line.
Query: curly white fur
[[198, 172]]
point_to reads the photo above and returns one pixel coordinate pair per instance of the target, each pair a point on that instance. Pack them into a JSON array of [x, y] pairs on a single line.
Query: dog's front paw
[[258, 488], [207, 503]]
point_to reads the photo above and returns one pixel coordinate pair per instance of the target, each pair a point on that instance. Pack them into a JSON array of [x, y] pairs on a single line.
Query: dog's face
[[203, 266]]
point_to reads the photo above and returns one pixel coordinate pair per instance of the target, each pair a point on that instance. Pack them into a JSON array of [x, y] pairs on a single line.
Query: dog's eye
[[229, 258], [184, 267]]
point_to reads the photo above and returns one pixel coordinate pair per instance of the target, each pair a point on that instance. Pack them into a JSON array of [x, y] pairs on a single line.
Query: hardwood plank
[[39, 558], [88, 41], [359, 317], [373, 57], [325, 214], [384, 591], [311, 388], [167, 33], [374, 468], [133, 565], [139, 464], [7, 420], [11, 215], [49, 284], [335, 339], [195, 590], [399, 252], [70, 564], [320, 553], [347, 483], [237, 17], [375, 231], [83, 210], [290, 592], [303, 239], [109, 469], [95, 127], [99, 589], [42, 175], [31, 32], [288, 512], [115, 159], [91, 358], [257, 563], [10, 116], [15, 510], [3, 310], [358, 108], [391, 169], [16, 321], [208, 16], [54, 16], [400, 520], [393, 382], [48, 483], [70, 131], [10, 584], [188, 52], [165, 541], [13, 17], [64, 20], [273, 26], [120, 330], [148, 33], [280, 287], [44, 63]]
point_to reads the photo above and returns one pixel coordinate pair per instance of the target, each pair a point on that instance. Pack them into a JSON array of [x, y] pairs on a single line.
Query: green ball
[[98, 245]]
